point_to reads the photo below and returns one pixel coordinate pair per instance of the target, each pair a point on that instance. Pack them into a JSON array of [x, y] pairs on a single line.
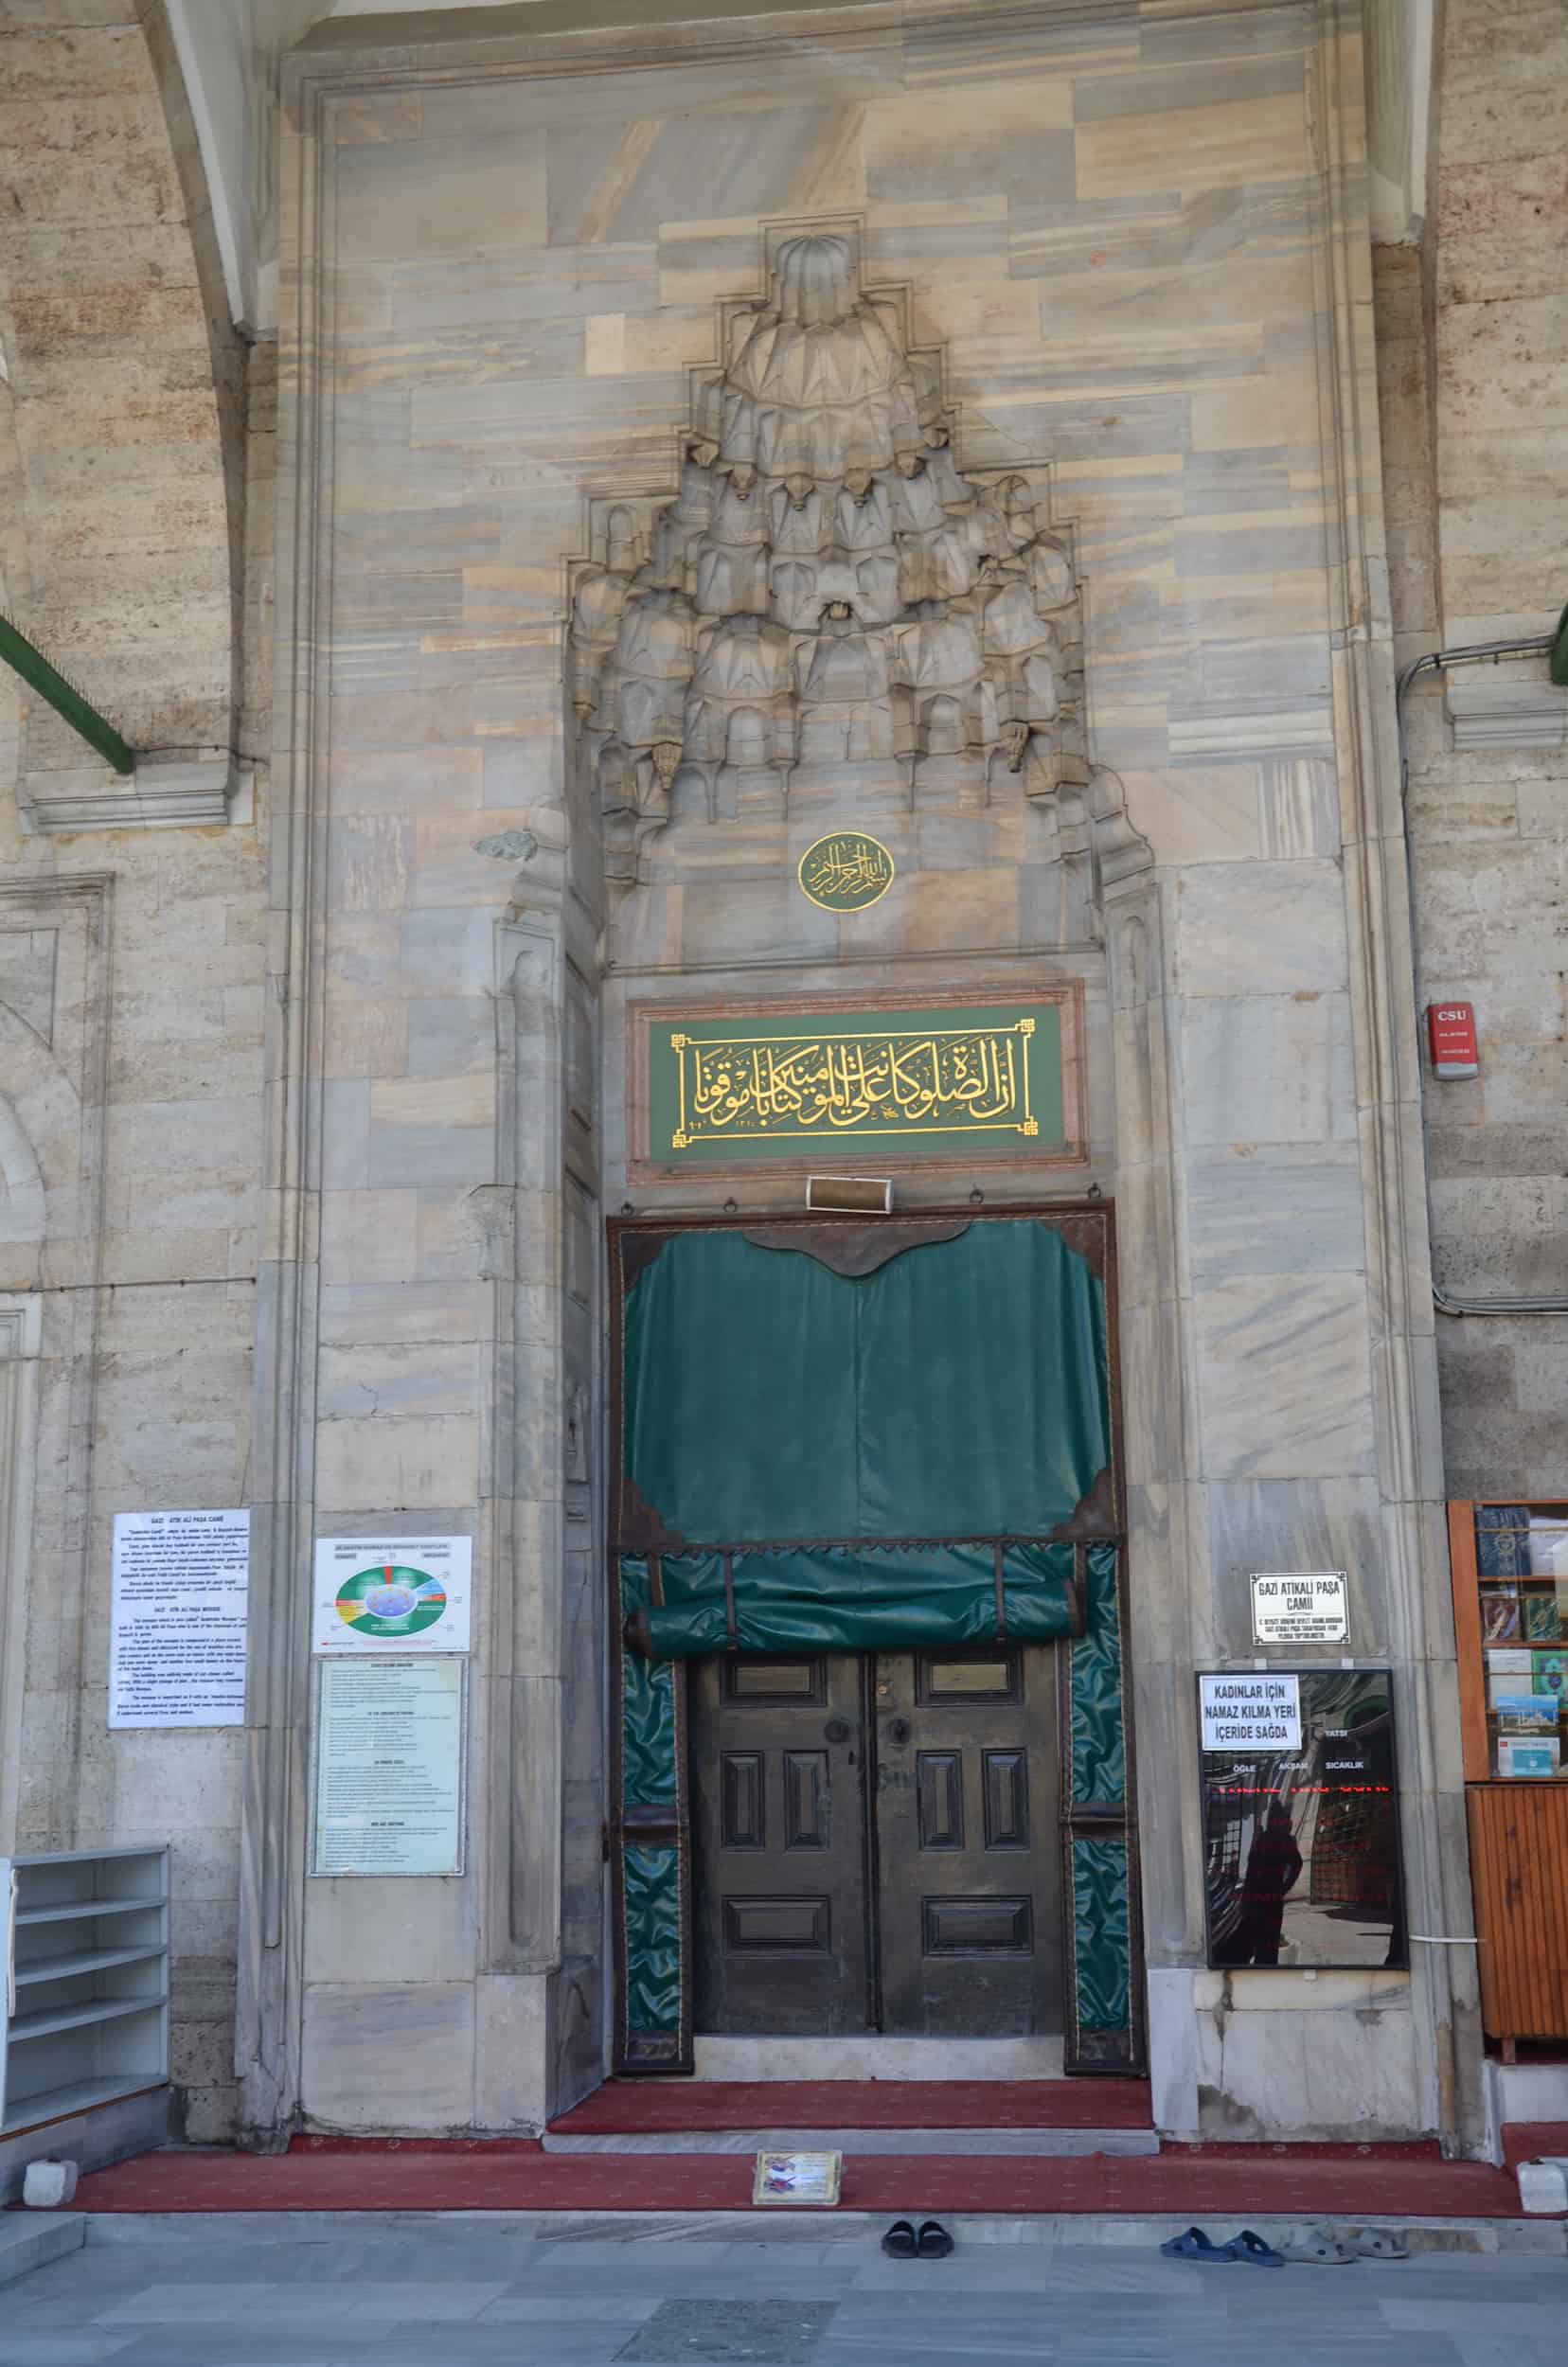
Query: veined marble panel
[[395, 2056], [1284, 1377], [1275, 1209], [1269, 1068], [1272, 928]]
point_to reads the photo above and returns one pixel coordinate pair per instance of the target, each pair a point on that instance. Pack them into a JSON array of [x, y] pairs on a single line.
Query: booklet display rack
[[1510, 1564]]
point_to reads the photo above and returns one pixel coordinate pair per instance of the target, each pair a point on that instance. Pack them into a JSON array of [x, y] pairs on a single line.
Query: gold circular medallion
[[846, 871]]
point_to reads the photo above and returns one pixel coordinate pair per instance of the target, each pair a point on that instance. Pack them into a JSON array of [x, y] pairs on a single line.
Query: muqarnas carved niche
[[826, 588]]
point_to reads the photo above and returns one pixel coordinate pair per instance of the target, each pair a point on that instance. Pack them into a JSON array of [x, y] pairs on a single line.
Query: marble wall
[[1474, 386], [1138, 238], [131, 968]]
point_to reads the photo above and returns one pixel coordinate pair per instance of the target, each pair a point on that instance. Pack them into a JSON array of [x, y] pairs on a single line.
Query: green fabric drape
[[838, 1599], [1100, 1759], [1097, 1863], [648, 1709], [1102, 1942], [960, 1391], [652, 1898]]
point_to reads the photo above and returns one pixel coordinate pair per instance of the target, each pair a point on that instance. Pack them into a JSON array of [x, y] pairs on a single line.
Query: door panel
[[969, 1894], [914, 1890], [778, 1832]]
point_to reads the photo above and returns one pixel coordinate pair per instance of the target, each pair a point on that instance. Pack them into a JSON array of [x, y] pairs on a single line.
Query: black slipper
[[901, 2243], [933, 2242]]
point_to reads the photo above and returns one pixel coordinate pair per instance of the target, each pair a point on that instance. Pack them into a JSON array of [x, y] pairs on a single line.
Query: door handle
[[835, 1731], [898, 1729]]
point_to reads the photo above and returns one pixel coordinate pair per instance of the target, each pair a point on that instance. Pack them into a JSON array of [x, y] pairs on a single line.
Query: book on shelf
[[1549, 1673], [1520, 1754], [1543, 1620], [1499, 1620], [1530, 1714]]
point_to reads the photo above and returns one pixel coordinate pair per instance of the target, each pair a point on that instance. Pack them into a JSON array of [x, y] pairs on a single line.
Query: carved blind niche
[[828, 601]]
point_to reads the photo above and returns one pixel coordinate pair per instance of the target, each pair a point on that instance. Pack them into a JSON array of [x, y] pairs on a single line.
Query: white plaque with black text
[[388, 1765], [1308, 1607]]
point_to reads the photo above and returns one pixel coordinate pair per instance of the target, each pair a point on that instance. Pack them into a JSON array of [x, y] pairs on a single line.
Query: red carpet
[[640, 2106], [1342, 2181], [1523, 2139]]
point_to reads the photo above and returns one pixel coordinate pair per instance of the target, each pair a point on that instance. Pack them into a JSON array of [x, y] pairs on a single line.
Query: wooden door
[[888, 1864], [968, 1887], [777, 1778]]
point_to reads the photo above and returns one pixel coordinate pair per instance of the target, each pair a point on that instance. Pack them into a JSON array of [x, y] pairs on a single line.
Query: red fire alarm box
[[1450, 1031]]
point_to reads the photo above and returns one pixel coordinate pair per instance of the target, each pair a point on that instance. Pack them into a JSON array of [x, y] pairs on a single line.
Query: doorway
[[871, 1759], [875, 1844]]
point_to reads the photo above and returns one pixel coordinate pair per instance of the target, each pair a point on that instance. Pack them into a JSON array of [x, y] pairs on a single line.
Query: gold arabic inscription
[[946, 1080], [846, 871]]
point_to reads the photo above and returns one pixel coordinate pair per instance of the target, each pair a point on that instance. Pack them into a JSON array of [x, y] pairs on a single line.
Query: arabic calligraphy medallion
[[846, 871]]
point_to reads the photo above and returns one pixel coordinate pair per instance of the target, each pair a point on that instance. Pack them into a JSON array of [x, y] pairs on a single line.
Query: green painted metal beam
[[1557, 660], [66, 699]]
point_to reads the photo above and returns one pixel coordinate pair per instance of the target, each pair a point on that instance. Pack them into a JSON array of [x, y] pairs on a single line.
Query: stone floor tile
[[66, 2348], [519, 2308], [184, 2302], [1482, 2313], [228, 2347], [982, 2345], [364, 2300], [770, 2333], [1499, 2350], [667, 2280], [471, 2344]]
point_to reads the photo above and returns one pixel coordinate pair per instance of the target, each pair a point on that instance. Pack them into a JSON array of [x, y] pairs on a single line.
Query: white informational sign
[[392, 1593], [177, 1619], [388, 1790], [1309, 1609], [800, 2177], [1246, 1713]]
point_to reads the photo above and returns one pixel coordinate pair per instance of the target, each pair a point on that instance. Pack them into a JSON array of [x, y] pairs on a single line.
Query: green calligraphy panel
[[962, 1079]]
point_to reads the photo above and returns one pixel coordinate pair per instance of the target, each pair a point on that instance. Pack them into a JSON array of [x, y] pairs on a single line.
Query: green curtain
[[648, 1708], [652, 1886], [1101, 1941], [840, 1598], [960, 1391], [1100, 1759]]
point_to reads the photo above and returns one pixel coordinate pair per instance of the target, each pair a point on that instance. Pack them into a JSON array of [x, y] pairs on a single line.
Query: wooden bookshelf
[[1518, 1828]]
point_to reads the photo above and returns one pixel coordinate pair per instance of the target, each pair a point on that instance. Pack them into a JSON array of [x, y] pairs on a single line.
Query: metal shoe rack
[[85, 1953]]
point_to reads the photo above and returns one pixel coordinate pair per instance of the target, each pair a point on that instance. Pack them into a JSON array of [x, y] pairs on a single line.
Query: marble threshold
[[875, 2057], [1022, 2141]]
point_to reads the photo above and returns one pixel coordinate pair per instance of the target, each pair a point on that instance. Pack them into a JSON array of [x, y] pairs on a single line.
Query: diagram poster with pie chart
[[392, 1593]]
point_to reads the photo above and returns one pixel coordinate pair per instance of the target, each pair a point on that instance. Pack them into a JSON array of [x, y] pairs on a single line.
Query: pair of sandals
[[906, 2241], [1316, 2249], [1312, 2246], [1247, 2247]]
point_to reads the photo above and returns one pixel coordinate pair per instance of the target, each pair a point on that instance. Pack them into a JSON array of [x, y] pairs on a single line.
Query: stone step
[[28, 2240], [1060, 2143]]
